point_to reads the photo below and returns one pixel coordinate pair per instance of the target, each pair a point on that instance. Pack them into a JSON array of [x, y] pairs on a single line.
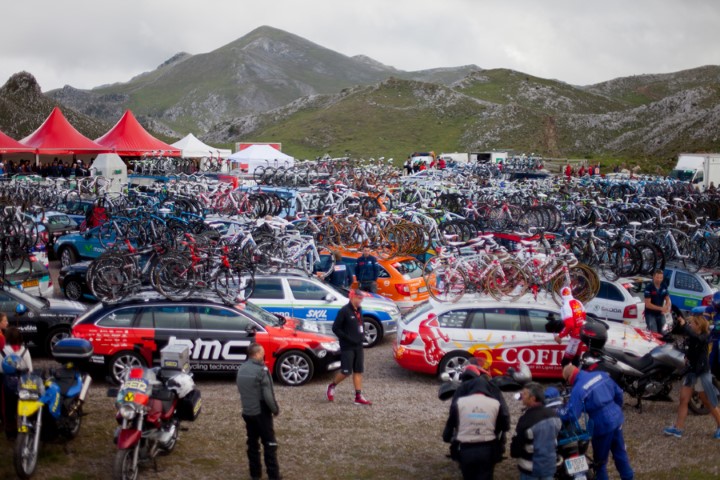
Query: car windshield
[[259, 314], [27, 299], [682, 175], [82, 317], [417, 311], [410, 268]]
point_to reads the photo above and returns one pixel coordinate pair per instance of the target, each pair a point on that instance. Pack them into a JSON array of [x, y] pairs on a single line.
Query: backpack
[[12, 365]]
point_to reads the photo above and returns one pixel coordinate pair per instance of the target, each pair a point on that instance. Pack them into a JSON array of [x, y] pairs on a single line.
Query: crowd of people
[[57, 168]]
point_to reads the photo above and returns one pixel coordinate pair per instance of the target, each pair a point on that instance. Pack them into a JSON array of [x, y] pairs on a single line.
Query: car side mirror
[[329, 297]]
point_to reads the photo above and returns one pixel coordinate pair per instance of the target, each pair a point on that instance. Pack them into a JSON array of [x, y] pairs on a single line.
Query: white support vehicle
[[619, 301], [698, 168]]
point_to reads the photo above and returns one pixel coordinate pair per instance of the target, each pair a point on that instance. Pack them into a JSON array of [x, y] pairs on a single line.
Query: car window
[[409, 268], [304, 290], [122, 318], [542, 321], [167, 317], [212, 318], [382, 273], [609, 291], [502, 318], [453, 319], [686, 281], [268, 288]]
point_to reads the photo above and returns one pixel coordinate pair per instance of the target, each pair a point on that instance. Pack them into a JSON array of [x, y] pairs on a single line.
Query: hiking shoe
[[360, 400], [331, 392], [676, 432], [717, 434]]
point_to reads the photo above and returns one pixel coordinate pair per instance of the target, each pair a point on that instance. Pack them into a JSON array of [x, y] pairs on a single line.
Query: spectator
[[599, 396], [573, 316], [657, 302], [698, 376], [16, 359], [79, 171], [581, 171], [711, 187], [616, 169], [3, 329], [442, 164], [348, 327], [535, 440], [477, 422], [339, 276], [255, 385], [568, 171], [408, 166], [367, 271], [597, 170]]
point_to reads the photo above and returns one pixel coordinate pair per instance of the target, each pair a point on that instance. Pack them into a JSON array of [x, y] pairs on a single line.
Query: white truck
[[698, 168], [488, 157], [455, 157]]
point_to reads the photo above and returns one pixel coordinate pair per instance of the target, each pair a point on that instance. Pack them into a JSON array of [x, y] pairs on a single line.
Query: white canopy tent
[[111, 166], [193, 148], [260, 155]]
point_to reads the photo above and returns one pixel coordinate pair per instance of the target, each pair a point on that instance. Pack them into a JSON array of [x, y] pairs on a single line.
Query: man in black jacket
[[535, 440], [478, 419], [258, 407], [348, 327]]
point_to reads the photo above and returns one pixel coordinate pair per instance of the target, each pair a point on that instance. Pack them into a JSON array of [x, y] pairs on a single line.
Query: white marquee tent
[[193, 148], [260, 155]]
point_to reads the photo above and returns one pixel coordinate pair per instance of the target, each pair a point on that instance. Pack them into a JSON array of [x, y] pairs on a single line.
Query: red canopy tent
[[129, 138], [10, 145], [57, 137]]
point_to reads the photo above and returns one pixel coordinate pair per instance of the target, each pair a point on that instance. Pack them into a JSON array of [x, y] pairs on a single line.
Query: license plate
[[31, 283], [576, 465], [422, 289]]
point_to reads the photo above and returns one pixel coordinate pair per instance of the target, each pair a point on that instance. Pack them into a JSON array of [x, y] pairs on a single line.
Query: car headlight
[[128, 411], [331, 346], [27, 395]]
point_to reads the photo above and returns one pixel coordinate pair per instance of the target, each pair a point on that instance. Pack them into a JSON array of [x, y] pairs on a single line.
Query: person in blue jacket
[[714, 311], [598, 395], [366, 271]]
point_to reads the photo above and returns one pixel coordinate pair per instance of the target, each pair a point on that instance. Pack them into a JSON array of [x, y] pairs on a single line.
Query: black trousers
[[9, 412], [260, 428], [477, 460]]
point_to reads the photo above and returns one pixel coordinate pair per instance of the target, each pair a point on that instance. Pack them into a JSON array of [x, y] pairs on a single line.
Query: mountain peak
[[21, 83]]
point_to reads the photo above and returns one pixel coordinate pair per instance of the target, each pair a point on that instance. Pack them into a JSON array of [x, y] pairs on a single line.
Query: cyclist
[[573, 316]]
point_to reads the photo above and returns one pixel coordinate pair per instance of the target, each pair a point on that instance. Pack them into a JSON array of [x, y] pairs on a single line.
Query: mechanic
[[478, 422], [598, 395], [657, 302], [535, 440], [573, 315], [339, 276], [258, 407], [348, 327], [698, 376], [367, 270]]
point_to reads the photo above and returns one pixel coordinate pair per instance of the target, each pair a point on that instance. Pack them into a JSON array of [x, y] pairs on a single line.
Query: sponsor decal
[[213, 349], [317, 313], [28, 328]]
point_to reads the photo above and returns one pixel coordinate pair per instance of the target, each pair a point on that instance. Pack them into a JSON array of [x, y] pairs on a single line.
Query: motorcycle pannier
[[594, 334], [189, 407], [76, 350]]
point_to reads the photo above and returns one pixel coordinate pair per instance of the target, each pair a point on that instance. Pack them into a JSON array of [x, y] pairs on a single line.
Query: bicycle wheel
[[507, 281], [173, 277], [446, 283], [109, 282], [234, 285]]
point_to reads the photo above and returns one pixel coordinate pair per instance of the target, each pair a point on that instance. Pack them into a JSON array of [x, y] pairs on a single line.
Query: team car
[[499, 333], [43, 322], [76, 247], [318, 303], [688, 290], [131, 334], [619, 301]]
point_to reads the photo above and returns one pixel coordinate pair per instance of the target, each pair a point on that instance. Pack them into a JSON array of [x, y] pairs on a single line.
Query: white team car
[[501, 334], [619, 301]]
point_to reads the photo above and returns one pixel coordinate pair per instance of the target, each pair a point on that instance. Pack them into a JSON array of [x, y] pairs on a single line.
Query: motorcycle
[[151, 403], [51, 408], [648, 377]]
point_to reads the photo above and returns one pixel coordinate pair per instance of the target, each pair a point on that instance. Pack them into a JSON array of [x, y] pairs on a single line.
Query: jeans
[[525, 476], [477, 461], [655, 321], [260, 428], [611, 442]]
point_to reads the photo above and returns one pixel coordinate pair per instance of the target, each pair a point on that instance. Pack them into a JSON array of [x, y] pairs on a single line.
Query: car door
[[545, 354], [172, 324], [269, 294], [499, 337], [222, 338], [311, 300]]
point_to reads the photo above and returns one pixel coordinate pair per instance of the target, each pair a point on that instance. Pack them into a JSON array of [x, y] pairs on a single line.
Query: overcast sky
[[86, 43]]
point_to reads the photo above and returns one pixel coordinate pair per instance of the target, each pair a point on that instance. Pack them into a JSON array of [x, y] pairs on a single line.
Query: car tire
[[294, 368], [54, 336], [373, 332], [123, 361], [453, 363], [73, 290], [68, 256]]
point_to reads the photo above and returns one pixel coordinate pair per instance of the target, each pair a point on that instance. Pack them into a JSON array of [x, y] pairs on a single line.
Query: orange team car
[[400, 279]]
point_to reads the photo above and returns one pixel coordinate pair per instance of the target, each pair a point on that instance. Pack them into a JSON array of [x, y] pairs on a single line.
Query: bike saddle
[[638, 363]]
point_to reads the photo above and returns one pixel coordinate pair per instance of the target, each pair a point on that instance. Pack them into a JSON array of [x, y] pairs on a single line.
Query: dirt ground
[[397, 437]]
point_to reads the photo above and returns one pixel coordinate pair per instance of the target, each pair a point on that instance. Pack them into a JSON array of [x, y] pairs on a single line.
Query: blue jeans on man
[[655, 321], [611, 442]]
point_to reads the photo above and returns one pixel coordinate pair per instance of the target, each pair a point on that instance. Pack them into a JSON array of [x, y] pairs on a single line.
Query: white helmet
[[566, 293], [182, 384]]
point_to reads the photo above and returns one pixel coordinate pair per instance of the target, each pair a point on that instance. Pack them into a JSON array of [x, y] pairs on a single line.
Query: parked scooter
[[51, 408], [151, 403], [650, 376]]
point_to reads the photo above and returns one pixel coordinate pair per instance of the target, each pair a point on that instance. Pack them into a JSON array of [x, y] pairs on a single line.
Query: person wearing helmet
[[535, 441], [478, 422], [573, 315], [657, 302], [698, 375], [16, 359]]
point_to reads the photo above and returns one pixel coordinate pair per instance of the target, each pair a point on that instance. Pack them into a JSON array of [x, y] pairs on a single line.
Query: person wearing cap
[[600, 397], [698, 376], [535, 441], [348, 327], [573, 315], [477, 424], [657, 302]]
